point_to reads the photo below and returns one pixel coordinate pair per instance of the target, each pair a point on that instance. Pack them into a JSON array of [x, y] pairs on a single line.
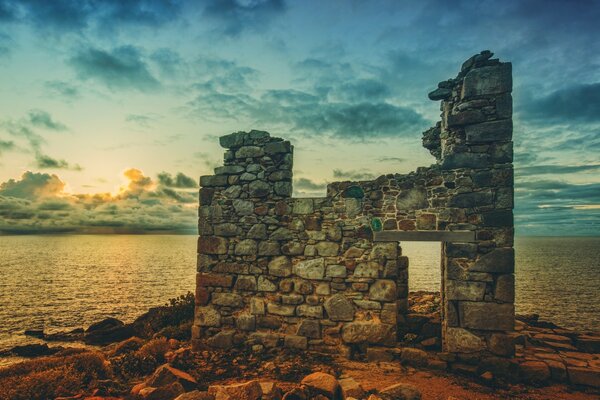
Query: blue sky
[[108, 108]]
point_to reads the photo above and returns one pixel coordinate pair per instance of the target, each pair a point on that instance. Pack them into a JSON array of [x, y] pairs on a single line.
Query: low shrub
[[178, 311], [51, 377]]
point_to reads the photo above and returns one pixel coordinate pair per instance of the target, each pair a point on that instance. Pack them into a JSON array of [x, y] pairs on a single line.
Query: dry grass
[[50, 377]]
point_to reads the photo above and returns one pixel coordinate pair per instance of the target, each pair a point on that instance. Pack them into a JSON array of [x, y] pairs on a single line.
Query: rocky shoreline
[[151, 358]]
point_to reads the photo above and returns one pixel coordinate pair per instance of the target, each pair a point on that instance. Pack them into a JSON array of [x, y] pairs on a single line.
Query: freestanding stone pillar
[[327, 273]]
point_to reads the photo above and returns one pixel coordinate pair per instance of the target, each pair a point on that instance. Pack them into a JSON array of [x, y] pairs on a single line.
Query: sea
[[63, 282]]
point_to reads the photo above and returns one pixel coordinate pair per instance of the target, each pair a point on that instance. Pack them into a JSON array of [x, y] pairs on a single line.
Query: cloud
[[44, 161], [118, 69], [62, 16], [38, 203], [43, 119], [557, 169], [353, 175], [578, 103], [180, 180], [6, 145], [6, 42], [236, 16], [62, 89], [391, 159], [144, 121]]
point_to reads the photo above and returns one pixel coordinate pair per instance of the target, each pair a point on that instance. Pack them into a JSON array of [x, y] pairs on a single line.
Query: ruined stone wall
[[306, 273]]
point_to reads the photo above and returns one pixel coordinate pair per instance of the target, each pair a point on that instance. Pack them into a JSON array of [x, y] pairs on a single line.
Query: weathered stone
[[227, 229], [465, 290], [440, 94], [281, 234], [232, 140], [265, 285], [243, 207], [213, 180], [212, 245], [310, 328], [584, 376], [327, 249], [351, 388], [500, 261], [471, 200], [325, 384], [339, 308], [233, 192], [207, 316], [487, 81], [368, 304], [283, 188], [249, 152], [502, 344], [258, 231], [414, 357], [336, 271], [505, 288], [489, 131], [246, 247], [310, 311], [259, 188], [280, 266], [283, 310], [227, 299], [303, 206], [383, 290], [295, 342], [245, 283], [368, 332], [257, 306], [310, 269], [459, 340], [534, 371], [241, 391], [278, 147], [487, 316], [367, 270], [268, 249], [245, 322]]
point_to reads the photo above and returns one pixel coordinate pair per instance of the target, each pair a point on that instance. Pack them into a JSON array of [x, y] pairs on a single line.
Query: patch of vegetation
[[177, 313]]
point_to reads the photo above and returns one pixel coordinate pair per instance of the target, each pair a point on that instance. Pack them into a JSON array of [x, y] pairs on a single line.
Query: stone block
[[534, 372], [465, 160], [213, 280], [502, 344], [584, 376], [327, 249], [245, 322], [487, 316], [465, 118], [268, 248], [283, 188], [504, 107], [309, 328], [383, 290], [471, 200], [280, 266], [233, 140], [281, 234], [212, 245], [245, 283], [295, 342], [265, 285], [459, 340], [494, 131], [505, 288], [335, 271], [257, 306], [207, 316], [414, 357], [226, 229], [487, 81], [310, 311], [303, 206], [294, 299], [465, 290], [259, 188], [369, 332], [229, 170], [243, 207], [426, 222], [461, 250], [249, 152], [278, 147], [339, 308], [283, 310], [227, 300], [310, 269], [367, 270], [501, 261], [213, 180], [246, 247]]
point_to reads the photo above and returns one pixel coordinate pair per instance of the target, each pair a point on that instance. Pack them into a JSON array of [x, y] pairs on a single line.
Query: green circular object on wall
[[376, 224]]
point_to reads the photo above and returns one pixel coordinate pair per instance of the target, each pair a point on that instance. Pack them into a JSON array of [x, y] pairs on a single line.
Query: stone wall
[[307, 273]]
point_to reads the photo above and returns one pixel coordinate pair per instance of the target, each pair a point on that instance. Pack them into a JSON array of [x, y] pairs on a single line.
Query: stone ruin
[[327, 274]]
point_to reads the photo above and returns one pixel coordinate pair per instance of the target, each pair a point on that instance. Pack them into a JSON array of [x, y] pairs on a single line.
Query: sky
[[111, 110]]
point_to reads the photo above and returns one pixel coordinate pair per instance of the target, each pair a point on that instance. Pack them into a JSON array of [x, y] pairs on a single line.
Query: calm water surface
[[66, 282]]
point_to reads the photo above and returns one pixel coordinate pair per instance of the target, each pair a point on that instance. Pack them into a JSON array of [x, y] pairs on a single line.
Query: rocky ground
[[551, 363]]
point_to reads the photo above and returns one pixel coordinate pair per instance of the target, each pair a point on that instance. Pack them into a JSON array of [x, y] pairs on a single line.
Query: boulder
[[34, 350], [534, 372], [325, 384], [270, 391], [242, 391], [196, 395], [351, 388], [339, 308], [168, 392], [166, 375], [400, 391], [414, 357]]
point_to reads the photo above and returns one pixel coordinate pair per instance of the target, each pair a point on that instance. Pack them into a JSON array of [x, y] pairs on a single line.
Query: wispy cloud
[[236, 16], [44, 161], [122, 68]]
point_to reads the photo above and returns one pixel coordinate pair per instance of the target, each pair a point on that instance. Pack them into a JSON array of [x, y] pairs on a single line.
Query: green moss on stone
[[355, 192], [376, 225]]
